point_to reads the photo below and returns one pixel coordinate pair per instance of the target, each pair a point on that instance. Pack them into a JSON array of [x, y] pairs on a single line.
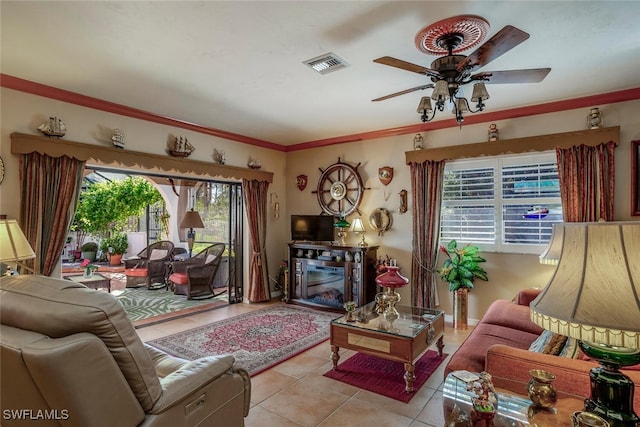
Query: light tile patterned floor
[[294, 393]]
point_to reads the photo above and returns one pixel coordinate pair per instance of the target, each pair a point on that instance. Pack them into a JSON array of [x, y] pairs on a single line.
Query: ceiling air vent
[[326, 63]]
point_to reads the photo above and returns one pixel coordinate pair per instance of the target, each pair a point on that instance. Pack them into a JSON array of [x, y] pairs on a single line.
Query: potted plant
[[89, 250], [459, 270], [115, 246]]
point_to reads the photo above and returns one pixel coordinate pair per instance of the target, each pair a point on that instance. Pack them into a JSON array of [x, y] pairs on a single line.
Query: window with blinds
[[504, 204]]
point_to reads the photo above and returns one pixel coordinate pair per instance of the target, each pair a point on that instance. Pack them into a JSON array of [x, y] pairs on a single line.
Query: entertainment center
[[327, 275]]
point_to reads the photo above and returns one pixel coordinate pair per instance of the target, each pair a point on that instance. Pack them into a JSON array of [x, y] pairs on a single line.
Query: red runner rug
[[258, 340], [385, 377]]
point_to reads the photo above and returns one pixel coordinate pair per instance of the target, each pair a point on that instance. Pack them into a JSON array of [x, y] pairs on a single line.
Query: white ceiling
[[237, 66]]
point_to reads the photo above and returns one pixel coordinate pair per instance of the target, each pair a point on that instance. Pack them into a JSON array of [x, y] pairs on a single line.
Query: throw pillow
[[558, 345]]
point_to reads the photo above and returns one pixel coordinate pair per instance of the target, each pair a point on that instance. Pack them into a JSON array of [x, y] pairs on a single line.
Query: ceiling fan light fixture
[[462, 106], [441, 91], [479, 93], [425, 105]]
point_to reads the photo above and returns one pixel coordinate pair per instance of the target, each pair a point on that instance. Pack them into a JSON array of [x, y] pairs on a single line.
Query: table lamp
[[593, 296], [342, 225], [14, 246], [191, 220], [390, 280], [551, 254], [357, 226]]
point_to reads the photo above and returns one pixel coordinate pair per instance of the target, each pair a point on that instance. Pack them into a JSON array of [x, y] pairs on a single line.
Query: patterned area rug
[[258, 340], [145, 307], [385, 377]]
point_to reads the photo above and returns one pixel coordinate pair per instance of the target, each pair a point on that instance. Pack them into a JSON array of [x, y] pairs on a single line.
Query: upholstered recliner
[[70, 356], [194, 277], [149, 266]]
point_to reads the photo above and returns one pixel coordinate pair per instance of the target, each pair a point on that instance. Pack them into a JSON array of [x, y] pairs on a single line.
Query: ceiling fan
[[453, 70]]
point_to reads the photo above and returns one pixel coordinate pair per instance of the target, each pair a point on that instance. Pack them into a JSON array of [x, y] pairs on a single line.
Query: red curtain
[[254, 195], [587, 182], [50, 187], [426, 187]]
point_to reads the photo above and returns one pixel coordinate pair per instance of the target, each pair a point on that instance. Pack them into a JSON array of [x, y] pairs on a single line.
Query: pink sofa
[[499, 344]]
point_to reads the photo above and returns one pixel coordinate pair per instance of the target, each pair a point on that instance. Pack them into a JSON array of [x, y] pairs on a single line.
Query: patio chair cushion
[[179, 278], [137, 272]]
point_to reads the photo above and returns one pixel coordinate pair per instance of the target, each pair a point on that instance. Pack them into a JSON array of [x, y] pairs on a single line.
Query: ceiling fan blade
[[382, 98], [533, 75], [502, 42], [408, 66]]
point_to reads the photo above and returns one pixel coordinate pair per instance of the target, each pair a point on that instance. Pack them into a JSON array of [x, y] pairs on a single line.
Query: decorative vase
[[460, 302], [88, 273], [540, 388]]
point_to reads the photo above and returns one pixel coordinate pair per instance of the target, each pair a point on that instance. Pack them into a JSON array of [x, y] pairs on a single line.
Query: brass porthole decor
[[340, 189]]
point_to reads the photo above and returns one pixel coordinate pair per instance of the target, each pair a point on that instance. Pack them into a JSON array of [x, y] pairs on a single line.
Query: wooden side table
[[513, 409], [95, 282]]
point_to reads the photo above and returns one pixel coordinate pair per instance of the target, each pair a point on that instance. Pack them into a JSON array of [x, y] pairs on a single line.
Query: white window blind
[[505, 204]]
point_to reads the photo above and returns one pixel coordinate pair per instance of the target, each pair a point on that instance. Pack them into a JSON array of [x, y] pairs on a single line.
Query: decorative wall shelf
[[111, 156], [517, 145]]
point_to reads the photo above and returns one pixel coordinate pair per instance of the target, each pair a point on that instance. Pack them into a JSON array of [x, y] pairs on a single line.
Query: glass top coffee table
[[404, 339], [513, 409]]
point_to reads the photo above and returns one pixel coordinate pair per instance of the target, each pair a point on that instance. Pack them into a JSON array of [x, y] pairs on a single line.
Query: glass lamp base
[[611, 390]]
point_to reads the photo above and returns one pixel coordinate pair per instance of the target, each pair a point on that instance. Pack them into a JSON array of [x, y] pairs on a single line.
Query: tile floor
[[294, 393]]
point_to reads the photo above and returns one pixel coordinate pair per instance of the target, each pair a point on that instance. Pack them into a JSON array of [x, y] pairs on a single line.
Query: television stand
[[328, 275]]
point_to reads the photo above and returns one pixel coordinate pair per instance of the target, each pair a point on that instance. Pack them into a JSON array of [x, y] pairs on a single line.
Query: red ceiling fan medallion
[[470, 29]]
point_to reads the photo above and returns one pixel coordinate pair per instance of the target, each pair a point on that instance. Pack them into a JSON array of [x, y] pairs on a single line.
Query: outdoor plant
[[89, 247], [461, 267], [106, 206], [116, 244]]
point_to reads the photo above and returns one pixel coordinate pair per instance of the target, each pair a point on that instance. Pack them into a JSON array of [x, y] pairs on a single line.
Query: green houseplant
[[461, 267]]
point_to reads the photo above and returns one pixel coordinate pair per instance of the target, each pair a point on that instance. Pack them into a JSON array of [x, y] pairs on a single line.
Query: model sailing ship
[[118, 138], [180, 147], [53, 127]]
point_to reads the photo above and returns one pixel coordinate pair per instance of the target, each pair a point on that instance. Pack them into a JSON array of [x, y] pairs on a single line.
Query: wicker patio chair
[[149, 266], [194, 277]]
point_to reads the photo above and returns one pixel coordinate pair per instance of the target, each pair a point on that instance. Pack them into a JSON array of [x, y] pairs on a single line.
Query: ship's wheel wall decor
[[340, 189]]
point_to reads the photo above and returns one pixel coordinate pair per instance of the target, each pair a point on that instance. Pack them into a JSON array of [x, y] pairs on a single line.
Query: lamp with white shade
[[14, 246], [551, 254], [357, 226], [594, 297]]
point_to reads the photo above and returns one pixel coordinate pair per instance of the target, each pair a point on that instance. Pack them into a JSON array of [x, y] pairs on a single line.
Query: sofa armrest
[[510, 368], [190, 377], [525, 296]]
